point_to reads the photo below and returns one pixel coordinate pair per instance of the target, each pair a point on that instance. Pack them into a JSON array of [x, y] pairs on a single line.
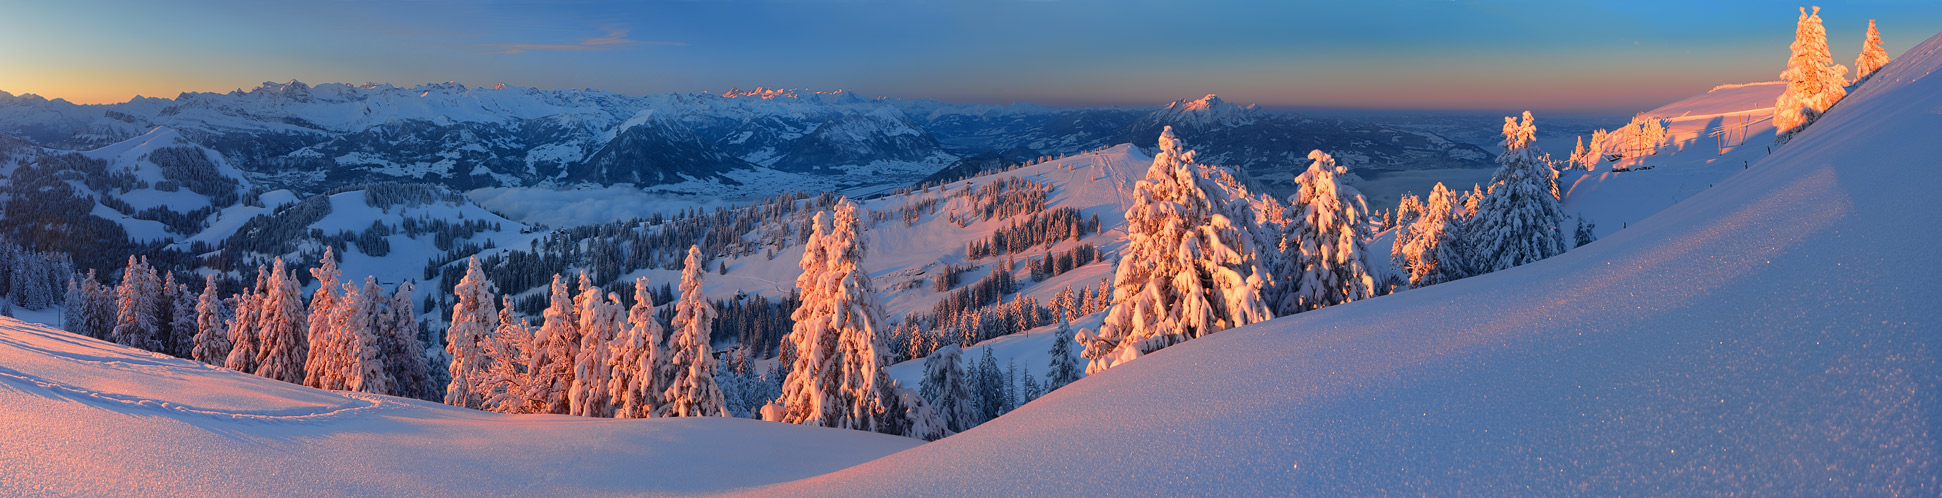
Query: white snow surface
[[1773, 335], [87, 418], [1706, 136]]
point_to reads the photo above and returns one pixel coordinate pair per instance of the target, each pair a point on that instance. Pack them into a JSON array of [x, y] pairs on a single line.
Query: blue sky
[[1409, 54]]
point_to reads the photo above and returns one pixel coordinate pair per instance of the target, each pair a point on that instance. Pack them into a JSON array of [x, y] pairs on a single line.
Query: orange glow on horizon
[[82, 85]]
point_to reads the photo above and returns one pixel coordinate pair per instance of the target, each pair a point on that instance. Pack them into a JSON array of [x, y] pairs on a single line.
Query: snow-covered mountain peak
[[763, 93], [837, 96], [1204, 103], [446, 87], [272, 87], [26, 99], [1209, 110]]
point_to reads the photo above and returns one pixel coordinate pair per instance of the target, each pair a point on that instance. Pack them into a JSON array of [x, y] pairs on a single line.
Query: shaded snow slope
[[79, 417], [1773, 335]]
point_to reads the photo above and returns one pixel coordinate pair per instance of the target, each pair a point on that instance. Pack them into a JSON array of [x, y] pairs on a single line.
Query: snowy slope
[[87, 418], [1773, 335], [1706, 135], [407, 253], [123, 180], [1096, 183]]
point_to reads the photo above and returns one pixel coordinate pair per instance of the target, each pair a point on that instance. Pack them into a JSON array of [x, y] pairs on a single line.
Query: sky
[[1359, 54]]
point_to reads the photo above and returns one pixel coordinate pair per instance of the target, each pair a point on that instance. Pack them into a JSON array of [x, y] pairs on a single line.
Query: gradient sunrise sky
[[1386, 54]]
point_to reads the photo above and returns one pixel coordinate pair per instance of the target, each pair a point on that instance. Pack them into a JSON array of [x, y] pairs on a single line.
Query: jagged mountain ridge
[[294, 135], [1272, 148]]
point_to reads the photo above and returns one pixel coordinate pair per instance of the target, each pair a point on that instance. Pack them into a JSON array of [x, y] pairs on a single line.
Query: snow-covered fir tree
[[280, 327], [1814, 81], [558, 340], [360, 323], [72, 301], [1519, 220], [1323, 243], [101, 309], [634, 383], [1643, 136], [987, 383], [946, 391], [404, 351], [1013, 396], [329, 362], [244, 341], [512, 353], [746, 389], [600, 323], [918, 418], [1074, 304], [182, 318], [90, 307], [839, 378], [1064, 367], [138, 315], [691, 389], [1189, 268], [212, 337], [1433, 249], [32, 279], [1408, 209], [1587, 158], [473, 319], [1586, 232], [1031, 389], [1102, 297], [1872, 55], [1578, 153], [1471, 200], [859, 316], [809, 391]]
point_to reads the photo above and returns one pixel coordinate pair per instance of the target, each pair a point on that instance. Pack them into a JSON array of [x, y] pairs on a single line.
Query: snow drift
[[80, 417], [1772, 335]]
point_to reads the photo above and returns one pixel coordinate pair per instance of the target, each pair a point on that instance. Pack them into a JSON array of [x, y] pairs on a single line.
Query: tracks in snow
[[358, 402]]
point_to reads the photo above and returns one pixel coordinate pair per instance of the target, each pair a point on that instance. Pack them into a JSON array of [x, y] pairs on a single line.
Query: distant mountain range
[[311, 138]]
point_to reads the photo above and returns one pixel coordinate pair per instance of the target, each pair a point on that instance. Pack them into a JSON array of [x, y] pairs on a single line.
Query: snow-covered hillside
[[1095, 183], [1706, 136], [1772, 335], [79, 417], [1762, 330]]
